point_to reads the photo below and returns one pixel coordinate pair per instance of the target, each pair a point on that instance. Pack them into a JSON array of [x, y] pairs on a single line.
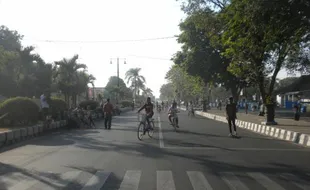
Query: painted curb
[[279, 133], [17, 135]]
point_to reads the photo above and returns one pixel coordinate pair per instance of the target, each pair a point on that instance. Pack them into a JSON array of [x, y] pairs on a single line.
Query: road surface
[[199, 156]]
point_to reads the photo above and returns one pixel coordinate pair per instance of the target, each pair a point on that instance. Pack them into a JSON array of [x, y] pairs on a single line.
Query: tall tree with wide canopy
[[261, 37], [201, 55]]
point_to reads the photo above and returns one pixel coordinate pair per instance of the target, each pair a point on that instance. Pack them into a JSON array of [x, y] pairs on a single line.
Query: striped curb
[[17, 135], [279, 133]]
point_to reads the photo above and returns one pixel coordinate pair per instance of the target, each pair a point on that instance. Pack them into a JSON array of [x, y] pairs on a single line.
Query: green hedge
[[57, 107], [19, 110], [92, 103], [126, 103]]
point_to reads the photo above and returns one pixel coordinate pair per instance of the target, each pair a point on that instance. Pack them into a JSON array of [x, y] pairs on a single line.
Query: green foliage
[[185, 86], [137, 81], [126, 103], [261, 35], [167, 91], [58, 105], [111, 88], [92, 103], [19, 110]]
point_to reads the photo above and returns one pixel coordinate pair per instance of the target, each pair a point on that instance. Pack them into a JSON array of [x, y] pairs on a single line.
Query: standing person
[[44, 104], [108, 111], [231, 115]]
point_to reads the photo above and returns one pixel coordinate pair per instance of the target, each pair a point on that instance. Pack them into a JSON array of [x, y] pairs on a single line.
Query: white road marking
[[302, 184], [198, 181], [233, 182], [265, 181], [165, 180], [97, 181], [131, 180], [161, 137], [241, 149]]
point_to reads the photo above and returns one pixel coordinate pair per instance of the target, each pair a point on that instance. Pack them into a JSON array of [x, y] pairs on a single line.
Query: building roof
[[300, 85]]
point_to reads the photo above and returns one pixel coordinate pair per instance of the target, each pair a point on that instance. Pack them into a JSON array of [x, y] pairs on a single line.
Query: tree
[[137, 80], [67, 77], [190, 6], [10, 40], [147, 92], [260, 36], [112, 88], [201, 55], [167, 91], [186, 87]]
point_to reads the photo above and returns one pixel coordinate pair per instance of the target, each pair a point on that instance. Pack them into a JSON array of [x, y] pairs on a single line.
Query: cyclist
[[172, 111], [149, 110], [191, 108]]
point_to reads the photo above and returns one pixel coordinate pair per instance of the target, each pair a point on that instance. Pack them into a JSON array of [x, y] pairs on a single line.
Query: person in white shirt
[[44, 105]]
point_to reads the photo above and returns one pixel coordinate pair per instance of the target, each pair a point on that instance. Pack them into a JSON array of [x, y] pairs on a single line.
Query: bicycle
[[191, 113], [174, 121], [143, 127]]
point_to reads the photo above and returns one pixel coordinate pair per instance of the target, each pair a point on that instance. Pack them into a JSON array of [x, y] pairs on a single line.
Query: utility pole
[[117, 61]]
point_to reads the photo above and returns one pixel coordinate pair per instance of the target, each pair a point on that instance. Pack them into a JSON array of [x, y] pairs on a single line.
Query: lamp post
[[117, 61]]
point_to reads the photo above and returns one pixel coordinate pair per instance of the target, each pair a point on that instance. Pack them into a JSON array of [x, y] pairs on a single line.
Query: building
[[94, 92], [289, 95]]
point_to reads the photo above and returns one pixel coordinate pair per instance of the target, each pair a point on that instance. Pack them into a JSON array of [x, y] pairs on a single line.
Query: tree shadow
[[49, 179]]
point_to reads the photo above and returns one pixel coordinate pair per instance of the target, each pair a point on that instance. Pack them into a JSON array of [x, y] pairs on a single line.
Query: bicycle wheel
[[174, 124], [150, 132], [141, 129]]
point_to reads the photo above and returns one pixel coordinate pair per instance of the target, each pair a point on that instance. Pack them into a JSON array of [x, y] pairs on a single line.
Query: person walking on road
[[231, 116], [108, 111]]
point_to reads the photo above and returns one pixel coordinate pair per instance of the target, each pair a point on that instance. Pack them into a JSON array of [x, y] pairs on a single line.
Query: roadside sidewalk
[[287, 129]]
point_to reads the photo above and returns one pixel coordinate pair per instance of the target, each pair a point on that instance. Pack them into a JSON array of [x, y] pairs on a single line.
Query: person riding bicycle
[[191, 108], [172, 111], [148, 106]]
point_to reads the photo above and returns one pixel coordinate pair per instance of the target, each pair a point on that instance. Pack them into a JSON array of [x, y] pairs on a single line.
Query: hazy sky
[[100, 21]]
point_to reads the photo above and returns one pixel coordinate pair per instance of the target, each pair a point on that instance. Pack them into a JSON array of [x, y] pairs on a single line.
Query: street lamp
[[117, 61]]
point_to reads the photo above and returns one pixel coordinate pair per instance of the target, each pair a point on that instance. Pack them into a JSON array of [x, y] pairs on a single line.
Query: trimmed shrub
[[126, 103], [57, 107], [19, 110], [92, 103]]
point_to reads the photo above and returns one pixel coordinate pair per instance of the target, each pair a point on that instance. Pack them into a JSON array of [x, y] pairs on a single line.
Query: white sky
[[100, 20]]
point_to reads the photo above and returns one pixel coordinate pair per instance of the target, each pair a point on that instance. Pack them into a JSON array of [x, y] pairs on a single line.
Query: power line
[[147, 57], [105, 41]]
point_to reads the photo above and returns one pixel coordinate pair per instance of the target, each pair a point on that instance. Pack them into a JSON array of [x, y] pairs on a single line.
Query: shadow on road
[[8, 170]]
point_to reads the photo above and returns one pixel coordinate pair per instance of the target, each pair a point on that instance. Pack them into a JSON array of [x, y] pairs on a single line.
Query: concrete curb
[[279, 133], [17, 135]]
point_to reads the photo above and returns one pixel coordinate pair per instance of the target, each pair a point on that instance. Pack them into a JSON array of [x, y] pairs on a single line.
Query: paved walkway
[[301, 126]]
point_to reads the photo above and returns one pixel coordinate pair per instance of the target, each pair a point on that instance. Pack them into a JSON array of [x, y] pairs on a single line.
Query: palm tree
[[90, 80], [66, 75], [137, 80], [148, 92]]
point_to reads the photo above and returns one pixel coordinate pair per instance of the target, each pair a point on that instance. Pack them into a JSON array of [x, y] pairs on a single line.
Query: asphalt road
[[199, 156]]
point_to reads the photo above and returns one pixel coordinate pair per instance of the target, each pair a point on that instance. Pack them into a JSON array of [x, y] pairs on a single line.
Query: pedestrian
[[231, 116], [108, 111], [44, 99]]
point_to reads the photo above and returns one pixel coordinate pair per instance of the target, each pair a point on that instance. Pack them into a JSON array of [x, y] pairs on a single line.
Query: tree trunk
[[87, 94], [135, 90], [93, 93]]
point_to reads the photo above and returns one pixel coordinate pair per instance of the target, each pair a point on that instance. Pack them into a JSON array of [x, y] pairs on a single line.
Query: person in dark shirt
[[149, 110], [108, 112], [231, 115]]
